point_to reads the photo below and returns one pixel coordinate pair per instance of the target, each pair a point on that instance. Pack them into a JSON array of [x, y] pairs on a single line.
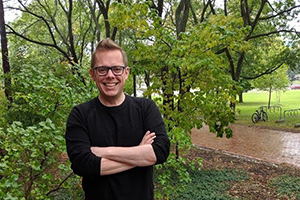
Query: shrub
[[31, 165]]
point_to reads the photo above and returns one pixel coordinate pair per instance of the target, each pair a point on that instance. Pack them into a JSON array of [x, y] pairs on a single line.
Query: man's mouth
[[110, 84]]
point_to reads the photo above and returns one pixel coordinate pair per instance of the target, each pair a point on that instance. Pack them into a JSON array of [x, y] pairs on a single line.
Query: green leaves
[[287, 186], [30, 159], [130, 16]]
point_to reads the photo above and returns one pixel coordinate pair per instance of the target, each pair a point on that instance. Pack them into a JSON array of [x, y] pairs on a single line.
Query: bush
[[31, 165]]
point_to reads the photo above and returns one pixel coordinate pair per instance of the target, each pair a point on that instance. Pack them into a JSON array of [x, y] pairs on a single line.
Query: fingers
[[97, 151], [148, 138], [93, 150]]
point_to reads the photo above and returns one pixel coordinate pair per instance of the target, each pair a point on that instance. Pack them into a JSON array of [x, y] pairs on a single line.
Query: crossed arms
[[119, 159]]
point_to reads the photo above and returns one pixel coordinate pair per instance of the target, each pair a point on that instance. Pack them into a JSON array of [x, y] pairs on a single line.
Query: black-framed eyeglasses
[[103, 70]]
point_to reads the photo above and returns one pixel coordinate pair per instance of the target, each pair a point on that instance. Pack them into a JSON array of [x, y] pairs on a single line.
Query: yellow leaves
[[126, 16], [226, 31]]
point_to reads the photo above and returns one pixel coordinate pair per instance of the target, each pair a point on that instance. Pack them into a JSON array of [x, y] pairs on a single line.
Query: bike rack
[[292, 113], [272, 109]]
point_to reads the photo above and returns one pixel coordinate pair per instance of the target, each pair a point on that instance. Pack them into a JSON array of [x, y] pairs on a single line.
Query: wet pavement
[[262, 144]]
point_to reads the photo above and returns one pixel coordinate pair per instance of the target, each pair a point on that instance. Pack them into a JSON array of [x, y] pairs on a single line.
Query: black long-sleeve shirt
[[93, 124]]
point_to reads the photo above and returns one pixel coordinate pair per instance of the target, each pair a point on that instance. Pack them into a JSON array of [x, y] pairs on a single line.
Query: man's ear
[[92, 73], [127, 70]]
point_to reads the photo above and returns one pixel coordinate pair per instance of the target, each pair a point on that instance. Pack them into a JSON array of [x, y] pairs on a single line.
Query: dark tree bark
[[241, 97], [5, 58], [182, 15], [104, 7]]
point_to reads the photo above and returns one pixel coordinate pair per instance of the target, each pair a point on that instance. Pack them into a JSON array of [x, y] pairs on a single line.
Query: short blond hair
[[105, 45]]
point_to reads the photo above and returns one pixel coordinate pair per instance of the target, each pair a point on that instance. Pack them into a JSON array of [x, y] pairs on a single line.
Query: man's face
[[109, 85]]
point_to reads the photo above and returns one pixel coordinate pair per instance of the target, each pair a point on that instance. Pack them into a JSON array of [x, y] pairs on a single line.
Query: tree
[[294, 73], [262, 21], [56, 21], [5, 57], [277, 81]]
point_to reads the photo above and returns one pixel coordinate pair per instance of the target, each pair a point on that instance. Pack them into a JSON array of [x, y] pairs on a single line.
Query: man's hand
[[98, 151], [148, 138]]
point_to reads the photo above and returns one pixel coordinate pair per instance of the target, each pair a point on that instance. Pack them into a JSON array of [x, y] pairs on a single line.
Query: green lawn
[[254, 99]]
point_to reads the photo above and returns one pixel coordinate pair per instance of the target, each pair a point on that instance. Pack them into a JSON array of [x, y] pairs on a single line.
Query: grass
[[254, 99]]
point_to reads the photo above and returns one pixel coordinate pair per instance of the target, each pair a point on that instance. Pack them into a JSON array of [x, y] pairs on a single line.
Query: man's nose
[[110, 73]]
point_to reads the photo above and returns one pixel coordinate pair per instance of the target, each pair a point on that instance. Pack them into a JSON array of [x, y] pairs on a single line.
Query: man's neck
[[112, 101]]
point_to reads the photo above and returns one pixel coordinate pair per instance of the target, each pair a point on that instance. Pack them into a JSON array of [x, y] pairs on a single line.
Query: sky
[[10, 15]]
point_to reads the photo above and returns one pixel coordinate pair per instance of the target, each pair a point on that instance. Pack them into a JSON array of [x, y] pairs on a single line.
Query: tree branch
[[254, 23], [231, 64], [40, 43], [59, 186], [203, 11], [268, 71], [279, 13], [276, 32]]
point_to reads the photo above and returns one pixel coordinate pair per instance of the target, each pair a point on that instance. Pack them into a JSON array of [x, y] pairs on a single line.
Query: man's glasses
[[103, 70]]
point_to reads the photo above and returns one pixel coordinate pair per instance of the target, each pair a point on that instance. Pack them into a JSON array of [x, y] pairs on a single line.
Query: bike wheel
[[264, 116], [255, 118]]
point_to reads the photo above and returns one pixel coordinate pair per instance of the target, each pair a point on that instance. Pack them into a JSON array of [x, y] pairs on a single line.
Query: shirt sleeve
[[155, 123], [83, 161]]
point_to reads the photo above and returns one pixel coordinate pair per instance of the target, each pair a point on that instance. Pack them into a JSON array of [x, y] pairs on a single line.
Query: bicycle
[[259, 115]]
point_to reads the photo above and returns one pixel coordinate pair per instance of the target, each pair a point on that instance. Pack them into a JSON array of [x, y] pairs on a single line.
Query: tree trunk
[[5, 61], [134, 85], [182, 15], [241, 97], [147, 81]]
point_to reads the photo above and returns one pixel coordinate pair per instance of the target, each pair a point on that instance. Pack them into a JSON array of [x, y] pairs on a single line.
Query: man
[[114, 140]]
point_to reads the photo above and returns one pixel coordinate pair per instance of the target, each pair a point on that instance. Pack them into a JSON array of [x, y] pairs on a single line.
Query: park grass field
[[254, 99]]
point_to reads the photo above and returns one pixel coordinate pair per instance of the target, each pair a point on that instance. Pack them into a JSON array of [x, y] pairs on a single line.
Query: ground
[[260, 173]]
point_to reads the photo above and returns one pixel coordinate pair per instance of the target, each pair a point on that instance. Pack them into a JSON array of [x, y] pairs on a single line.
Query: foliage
[[275, 78], [173, 176], [33, 128], [42, 91], [64, 27], [192, 83], [30, 166], [277, 81], [287, 186], [294, 74], [205, 184], [128, 88]]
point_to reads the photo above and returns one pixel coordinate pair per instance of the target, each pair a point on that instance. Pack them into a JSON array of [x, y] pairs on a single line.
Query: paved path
[[262, 144]]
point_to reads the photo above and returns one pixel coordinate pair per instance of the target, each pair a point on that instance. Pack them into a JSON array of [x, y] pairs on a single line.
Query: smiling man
[[114, 140]]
